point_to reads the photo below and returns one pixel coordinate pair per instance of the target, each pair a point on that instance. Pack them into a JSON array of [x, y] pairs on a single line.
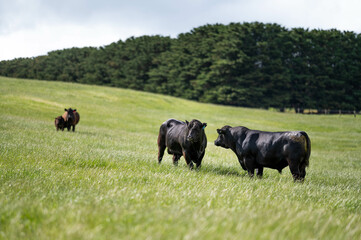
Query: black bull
[[186, 139], [258, 149]]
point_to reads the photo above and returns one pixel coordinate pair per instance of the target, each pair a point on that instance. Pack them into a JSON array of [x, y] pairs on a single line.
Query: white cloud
[[43, 38], [34, 27]]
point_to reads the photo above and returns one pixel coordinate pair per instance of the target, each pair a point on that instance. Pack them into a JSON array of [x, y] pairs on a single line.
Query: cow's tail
[[161, 141], [162, 132], [306, 161]]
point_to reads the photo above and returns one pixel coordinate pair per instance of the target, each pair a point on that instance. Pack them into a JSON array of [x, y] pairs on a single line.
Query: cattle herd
[[254, 149]]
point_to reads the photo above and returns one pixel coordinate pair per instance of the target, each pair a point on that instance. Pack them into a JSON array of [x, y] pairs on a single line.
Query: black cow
[[183, 138], [71, 118], [258, 149]]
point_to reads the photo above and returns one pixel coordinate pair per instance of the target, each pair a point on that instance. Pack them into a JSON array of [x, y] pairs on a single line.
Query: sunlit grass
[[103, 181]]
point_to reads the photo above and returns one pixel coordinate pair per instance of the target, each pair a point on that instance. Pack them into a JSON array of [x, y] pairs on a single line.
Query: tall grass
[[103, 180]]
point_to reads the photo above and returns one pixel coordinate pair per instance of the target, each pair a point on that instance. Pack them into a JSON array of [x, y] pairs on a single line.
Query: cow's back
[[175, 132], [171, 126], [170, 123]]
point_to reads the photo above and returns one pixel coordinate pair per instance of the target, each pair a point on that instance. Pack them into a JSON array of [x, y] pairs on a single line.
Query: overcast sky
[[34, 27]]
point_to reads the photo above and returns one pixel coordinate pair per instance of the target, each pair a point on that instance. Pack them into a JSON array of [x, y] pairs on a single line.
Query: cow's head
[[70, 114], [195, 130], [224, 137]]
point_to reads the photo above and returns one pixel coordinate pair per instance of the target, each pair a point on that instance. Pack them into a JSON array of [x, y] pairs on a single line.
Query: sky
[[30, 28]]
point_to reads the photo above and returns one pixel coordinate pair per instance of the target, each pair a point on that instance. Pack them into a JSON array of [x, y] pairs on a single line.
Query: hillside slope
[[103, 181]]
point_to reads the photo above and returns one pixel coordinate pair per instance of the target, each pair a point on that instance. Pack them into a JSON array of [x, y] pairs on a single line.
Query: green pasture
[[103, 181]]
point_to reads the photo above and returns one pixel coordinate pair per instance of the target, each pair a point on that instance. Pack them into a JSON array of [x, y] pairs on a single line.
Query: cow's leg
[[188, 160], [251, 173], [302, 175], [175, 159], [73, 128], [260, 172], [199, 161], [69, 127], [294, 168], [250, 165], [302, 172], [240, 160]]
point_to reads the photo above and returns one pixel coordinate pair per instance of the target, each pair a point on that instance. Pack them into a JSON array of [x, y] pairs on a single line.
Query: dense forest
[[249, 64]]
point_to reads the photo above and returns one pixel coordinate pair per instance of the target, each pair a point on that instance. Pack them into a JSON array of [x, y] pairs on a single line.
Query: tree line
[[242, 64]]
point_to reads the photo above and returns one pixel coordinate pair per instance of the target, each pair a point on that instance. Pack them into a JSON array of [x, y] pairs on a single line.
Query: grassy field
[[104, 182]]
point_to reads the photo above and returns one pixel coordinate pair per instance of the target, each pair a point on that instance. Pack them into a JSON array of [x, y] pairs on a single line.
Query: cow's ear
[[204, 125], [187, 122], [74, 110], [220, 131], [65, 109]]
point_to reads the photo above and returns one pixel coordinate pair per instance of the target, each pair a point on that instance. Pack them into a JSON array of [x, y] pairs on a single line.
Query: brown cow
[[59, 123], [71, 118]]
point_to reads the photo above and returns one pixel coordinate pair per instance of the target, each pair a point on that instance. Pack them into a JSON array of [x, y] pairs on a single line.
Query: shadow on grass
[[207, 169], [224, 171]]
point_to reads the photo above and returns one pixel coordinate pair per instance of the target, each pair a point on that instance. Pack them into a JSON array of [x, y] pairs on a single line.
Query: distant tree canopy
[[250, 64]]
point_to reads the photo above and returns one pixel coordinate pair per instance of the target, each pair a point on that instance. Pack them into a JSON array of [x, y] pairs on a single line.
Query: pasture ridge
[[103, 181]]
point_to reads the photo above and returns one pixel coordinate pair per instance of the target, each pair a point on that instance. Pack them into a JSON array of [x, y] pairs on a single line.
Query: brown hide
[[65, 116], [77, 118]]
